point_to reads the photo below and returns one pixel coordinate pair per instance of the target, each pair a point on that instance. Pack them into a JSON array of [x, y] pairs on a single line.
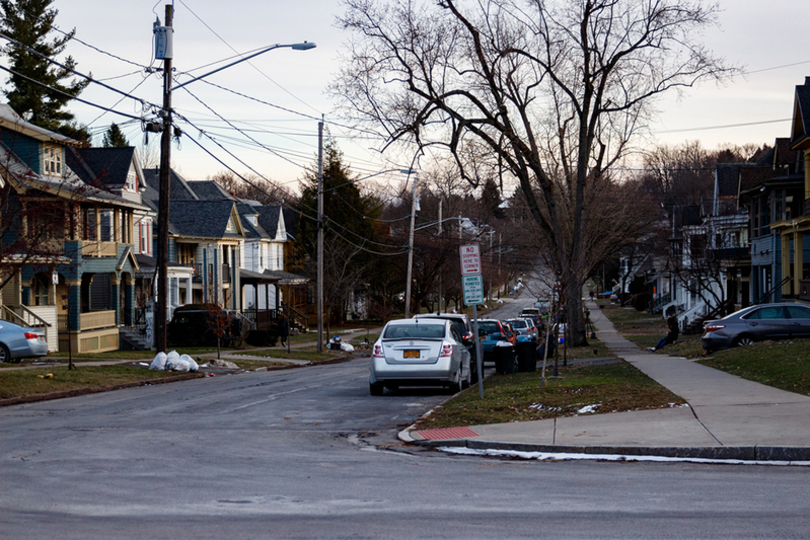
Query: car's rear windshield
[[414, 331], [488, 327], [518, 324]]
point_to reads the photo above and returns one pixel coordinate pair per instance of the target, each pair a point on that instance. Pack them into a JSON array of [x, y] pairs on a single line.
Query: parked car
[[491, 331], [464, 326], [193, 325], [419, 352], [18, 342], [533, 313], [524, 327], [756, 323]]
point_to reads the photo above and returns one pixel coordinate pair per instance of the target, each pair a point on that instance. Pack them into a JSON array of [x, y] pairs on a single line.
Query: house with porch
[[68, 259]]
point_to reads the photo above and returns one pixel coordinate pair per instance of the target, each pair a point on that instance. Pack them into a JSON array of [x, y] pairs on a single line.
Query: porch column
[[189, 291], [25, 292], [785, 263], [74, 313], [97, 214], [129, 302], [117, 232], [115, 292], [798, 266]]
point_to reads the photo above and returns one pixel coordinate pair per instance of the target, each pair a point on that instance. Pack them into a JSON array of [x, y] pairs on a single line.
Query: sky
[[287, 87]]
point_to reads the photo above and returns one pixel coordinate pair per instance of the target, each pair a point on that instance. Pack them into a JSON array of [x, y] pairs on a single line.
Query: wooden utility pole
[[320, 236], [163, 203]]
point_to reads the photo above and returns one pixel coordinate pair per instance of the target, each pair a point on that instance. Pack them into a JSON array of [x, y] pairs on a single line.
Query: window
[[52, 160], [40, 290], [767, 313], [798, 312]]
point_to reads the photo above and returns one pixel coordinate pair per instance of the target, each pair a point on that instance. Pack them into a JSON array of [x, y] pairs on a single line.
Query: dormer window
[[52, 160], [132, 181]]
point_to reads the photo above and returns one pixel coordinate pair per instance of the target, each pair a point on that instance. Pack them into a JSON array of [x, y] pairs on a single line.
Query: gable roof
[[204, 219], [800, 129], [210, 190], [107, 166], [179, 189], [11, 120]]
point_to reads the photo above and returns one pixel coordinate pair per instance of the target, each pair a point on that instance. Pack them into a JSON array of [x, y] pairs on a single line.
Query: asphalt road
[[307, 453]]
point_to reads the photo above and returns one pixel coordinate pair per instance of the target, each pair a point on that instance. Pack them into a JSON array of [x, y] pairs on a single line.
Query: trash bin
[[526, 355], [504, 358]]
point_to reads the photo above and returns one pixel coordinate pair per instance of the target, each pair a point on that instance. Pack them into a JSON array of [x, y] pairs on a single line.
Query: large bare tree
[[547, 92]]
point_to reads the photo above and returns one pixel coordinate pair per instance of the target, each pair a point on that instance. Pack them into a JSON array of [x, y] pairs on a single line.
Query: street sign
[[473, 287], [470, 259]]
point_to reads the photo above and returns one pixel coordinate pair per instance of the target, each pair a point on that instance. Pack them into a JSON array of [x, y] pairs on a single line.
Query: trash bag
[[171, 361], [191, 362], [159, 363]]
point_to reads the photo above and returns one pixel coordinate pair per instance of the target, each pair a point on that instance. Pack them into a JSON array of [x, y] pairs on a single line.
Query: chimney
[[807, 81]]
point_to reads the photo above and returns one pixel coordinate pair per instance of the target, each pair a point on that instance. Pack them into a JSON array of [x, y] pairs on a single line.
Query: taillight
[[467, 337], [712, 327], [378, 351], [31, 335], [447, 350]]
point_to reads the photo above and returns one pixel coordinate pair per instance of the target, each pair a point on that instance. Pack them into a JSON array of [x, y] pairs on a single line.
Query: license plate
[[410, 354]]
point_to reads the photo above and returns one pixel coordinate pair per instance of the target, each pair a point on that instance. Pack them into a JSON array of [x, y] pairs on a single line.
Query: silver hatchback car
[[419, 352]]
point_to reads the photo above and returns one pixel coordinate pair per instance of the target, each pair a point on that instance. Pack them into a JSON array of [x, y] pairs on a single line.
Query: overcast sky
[[768, 39]]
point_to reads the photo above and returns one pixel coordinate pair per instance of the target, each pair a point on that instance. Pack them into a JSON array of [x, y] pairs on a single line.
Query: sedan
[[419, 352], [524, 327], [18, 342], [755, 323]]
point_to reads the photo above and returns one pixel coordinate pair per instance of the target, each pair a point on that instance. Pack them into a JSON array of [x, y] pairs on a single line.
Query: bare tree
[[548, 92]]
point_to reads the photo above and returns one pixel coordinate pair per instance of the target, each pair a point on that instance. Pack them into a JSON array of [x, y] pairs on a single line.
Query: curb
[[741, 453], [87, 390]]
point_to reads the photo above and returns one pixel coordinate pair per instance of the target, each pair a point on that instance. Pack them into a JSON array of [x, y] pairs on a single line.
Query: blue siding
[[25, 148]]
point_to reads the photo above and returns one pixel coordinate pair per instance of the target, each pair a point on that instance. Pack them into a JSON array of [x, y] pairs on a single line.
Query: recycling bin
[[526, 355]]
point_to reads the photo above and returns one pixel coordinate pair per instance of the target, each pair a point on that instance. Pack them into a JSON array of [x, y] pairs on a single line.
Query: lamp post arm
[[305, 46]]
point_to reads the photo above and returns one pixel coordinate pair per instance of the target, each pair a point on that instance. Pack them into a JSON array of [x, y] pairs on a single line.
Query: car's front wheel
[[5, 355]]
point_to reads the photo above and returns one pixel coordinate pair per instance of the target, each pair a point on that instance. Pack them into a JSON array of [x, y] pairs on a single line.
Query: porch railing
[[92, 248], [97, 319]]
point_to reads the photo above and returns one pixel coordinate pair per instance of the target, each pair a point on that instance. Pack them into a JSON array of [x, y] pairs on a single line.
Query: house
[[205, 245], [266, 286], [68, 258]]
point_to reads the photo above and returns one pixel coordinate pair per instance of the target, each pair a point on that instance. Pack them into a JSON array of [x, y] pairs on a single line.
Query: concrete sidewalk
[[727, 417]]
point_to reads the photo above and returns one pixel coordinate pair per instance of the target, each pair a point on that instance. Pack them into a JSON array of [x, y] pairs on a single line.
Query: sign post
[[473, 286]]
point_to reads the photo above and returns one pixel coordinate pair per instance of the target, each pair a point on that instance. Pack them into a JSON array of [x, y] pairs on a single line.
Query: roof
[[210, 190], [726, 178], [202, 219], [107, 166], [11, 120], [800, 129], [179, 189]]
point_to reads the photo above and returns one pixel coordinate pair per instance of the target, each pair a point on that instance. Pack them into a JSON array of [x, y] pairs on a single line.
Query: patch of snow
[[561, 456], [589, 409]]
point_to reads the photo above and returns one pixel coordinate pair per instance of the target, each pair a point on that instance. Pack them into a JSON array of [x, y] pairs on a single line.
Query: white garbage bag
[[171, 360], [191, 362], [159, 363], [347, 347]]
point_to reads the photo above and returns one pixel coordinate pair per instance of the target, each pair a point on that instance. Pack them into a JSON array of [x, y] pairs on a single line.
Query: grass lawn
[[295, 354], [26, 382], [628, 314], [781, 364], [252, 365], [520, 397]]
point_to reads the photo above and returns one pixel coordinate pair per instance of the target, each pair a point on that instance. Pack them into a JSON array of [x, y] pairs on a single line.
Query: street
[[307, 453]]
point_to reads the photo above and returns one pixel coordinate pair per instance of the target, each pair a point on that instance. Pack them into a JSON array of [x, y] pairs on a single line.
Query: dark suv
[[194, 325], [464, 326]]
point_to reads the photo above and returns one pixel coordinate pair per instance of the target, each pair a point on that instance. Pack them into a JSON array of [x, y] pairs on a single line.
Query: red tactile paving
[[447, 433]]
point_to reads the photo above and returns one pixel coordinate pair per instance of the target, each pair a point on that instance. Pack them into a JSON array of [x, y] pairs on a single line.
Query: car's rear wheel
[[5, 355], [743, 341], [468, 379], [375, 389]]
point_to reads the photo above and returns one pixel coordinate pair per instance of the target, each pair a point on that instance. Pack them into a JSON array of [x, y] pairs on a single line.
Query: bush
[[641, 301], [261, 338]]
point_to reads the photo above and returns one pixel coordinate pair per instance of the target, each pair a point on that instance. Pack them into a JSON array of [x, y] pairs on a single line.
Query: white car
[[419, 352]]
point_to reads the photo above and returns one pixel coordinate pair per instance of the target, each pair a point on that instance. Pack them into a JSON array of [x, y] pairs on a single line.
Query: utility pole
[[165, 51], [163, 202], [440, 269], [320, 236], [410, 251]]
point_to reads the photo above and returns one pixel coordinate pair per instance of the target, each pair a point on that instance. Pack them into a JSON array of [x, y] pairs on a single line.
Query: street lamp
[[165, 163]]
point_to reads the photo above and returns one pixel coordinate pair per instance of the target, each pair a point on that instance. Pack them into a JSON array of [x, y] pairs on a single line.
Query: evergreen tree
[[114, 137], [349, 230], [29, 22]]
